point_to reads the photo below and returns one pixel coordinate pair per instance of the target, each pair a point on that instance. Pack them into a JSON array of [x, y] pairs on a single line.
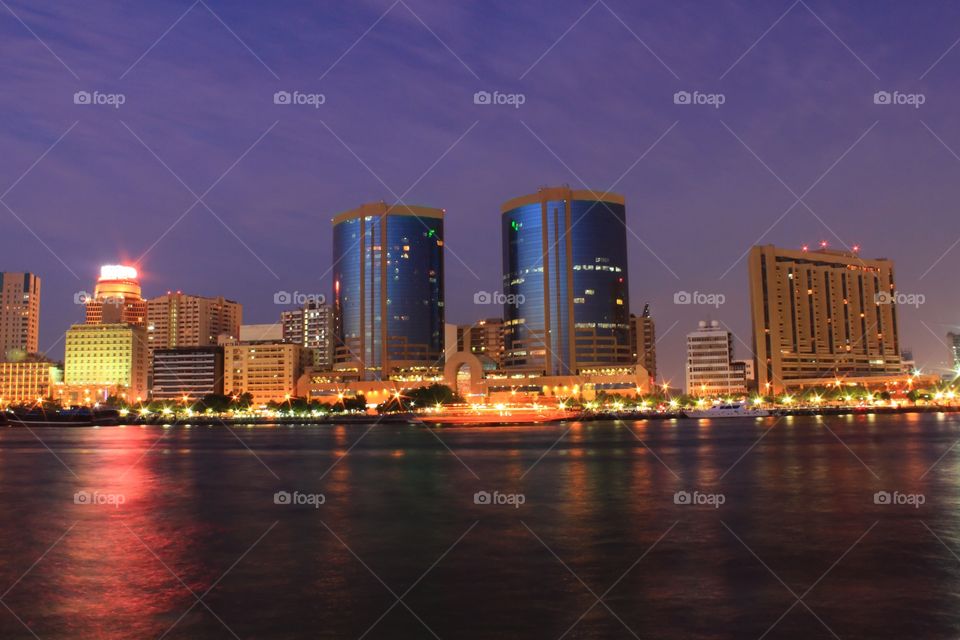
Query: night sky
[[702, 184]]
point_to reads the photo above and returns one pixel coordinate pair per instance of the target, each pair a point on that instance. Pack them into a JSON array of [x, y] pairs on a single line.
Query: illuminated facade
[[710, 369], [388, 291], [117, 298], [312, 327], [822, 316], [19, 314], [953, 343], [483, 338], [107, 359], [27, 381], [566, 307], [179, 320], [269, 370]]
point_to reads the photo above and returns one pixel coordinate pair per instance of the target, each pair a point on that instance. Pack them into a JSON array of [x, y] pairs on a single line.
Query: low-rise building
[[105, 359], [191, 372], [27, 381], [267, 370], [710, 369]]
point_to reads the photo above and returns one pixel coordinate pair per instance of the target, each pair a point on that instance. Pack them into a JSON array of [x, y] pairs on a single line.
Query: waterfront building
[[19, 314], [191, 372], [106, 359], [311, 326], [388, 292], [710, 369], [267, 370], [27, 381], [821, 316], [117, 298], [953, 343], [566, 306], [643, 341], [177, 320]]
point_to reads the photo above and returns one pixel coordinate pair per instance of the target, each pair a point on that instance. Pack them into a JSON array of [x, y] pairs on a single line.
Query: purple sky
[[399, 98]]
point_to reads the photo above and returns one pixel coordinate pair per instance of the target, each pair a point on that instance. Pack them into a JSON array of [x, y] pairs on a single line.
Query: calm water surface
[[399, 549]]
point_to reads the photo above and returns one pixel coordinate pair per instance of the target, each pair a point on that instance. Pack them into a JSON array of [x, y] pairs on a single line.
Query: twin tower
[[565, 297]]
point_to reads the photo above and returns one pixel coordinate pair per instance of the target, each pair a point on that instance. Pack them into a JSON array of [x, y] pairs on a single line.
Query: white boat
[[727, 410]]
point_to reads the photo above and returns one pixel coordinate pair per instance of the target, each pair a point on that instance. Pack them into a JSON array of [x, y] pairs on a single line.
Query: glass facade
[[565, 280], [388, 291]]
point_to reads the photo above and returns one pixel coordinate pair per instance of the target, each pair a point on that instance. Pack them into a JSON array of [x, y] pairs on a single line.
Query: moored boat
[[727, 410], [74, 417], [481, 416]]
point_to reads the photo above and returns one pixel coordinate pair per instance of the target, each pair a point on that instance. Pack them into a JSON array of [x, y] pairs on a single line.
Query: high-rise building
[[259, 333], [643, 341], [107, 359], [193, 372], [269, 370], [711, 370], [821, 316], [179, 320], [388, 291], [483, 338], [27, 381], [953, 342], [19, 314], [566, 308], [311, 326], [117, 298]]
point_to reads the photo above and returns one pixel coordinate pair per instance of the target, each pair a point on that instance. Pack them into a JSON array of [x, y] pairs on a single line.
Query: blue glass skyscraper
[[567, 309], [388, 291]]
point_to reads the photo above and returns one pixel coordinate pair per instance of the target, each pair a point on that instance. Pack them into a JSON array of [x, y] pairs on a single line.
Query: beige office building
[[27, 381], [269, 371], [19, 314], [822, 316], [178, 320], [643, 340], [711, 370], [105, 359]]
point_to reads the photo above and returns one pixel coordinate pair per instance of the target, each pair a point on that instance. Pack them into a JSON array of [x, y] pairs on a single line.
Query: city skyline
[[701, 183]]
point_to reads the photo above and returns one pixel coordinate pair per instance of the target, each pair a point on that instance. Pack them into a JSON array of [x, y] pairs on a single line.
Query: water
[[399, 520]]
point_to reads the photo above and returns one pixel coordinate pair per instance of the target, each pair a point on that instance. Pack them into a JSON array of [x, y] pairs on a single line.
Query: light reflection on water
[[598, 495]]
